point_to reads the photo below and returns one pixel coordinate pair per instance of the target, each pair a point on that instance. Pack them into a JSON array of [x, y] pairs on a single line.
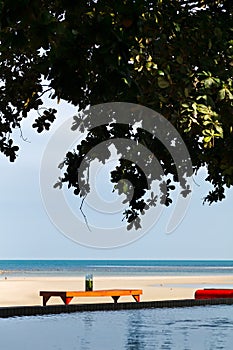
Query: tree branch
[[85, 218]]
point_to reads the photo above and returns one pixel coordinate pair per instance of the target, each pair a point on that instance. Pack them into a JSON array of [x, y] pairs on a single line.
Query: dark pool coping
[[17, 311]]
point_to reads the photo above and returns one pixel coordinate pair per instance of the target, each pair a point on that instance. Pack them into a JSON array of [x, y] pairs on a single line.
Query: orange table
[[68, 296]]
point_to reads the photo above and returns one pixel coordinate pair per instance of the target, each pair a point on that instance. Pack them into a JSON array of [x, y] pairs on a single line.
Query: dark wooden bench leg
[[45, 299], [115, 298], [137, 298]]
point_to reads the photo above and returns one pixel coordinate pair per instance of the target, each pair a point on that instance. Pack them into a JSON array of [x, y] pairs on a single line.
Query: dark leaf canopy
[[173, 56]]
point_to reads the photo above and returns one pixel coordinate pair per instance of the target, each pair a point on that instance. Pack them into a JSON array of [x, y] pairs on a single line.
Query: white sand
[[25, 291]]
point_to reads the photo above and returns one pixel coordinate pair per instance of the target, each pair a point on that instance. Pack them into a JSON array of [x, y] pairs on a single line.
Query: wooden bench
[[68, 296]]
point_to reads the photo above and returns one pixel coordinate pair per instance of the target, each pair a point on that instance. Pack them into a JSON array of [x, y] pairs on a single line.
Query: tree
[[175, 57]]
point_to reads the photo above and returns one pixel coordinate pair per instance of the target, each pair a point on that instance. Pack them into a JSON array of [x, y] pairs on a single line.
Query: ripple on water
[[202, 328]]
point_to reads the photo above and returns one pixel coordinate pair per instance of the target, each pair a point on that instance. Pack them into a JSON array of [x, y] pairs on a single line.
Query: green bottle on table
[[89, 282]]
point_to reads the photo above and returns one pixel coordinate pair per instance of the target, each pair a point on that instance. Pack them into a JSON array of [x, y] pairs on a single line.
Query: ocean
[[187, 328], [115, 267]]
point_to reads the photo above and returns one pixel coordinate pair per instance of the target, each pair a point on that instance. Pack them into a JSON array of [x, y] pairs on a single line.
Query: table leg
[[115, 298], [137, 298], [66, 300], [45, 299]]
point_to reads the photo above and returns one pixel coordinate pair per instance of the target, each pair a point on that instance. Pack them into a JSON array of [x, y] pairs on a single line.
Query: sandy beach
[[18, 291]]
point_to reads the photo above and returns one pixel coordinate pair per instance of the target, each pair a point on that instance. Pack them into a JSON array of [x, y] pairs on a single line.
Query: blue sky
[[27, 232]]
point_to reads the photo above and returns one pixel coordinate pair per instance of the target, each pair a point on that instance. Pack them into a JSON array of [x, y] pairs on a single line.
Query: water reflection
[[135, 332], [189, 328], [85, 341], [146, 329], [202, 328]]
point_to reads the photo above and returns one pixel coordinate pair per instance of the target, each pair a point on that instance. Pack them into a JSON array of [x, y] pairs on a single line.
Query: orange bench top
[[94, 293], [67, 296]]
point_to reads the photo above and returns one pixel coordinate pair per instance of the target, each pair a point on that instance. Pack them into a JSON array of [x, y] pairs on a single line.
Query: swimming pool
[[204, 327]]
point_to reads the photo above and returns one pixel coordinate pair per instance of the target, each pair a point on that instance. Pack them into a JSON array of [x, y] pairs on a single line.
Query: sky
[[28, 233]]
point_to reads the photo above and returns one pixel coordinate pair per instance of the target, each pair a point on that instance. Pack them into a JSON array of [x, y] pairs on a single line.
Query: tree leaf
[[222, 94], [163, 83]]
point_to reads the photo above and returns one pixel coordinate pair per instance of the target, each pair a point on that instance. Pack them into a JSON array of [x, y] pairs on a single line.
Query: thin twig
[[44, 92], [22, 137], [195, 182], [41, 108], [85, 218]]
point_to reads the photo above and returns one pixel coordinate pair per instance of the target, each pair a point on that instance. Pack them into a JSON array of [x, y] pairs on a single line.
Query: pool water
[[189, 328]]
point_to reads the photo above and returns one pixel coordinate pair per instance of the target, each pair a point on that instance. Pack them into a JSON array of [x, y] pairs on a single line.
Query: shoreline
[[24, 290]]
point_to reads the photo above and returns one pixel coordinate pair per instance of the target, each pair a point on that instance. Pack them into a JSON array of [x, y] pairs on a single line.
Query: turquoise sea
[[188, 328], [116, 267]]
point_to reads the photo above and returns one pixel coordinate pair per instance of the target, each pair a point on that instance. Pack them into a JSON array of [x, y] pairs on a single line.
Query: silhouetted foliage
[[173, 56]]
